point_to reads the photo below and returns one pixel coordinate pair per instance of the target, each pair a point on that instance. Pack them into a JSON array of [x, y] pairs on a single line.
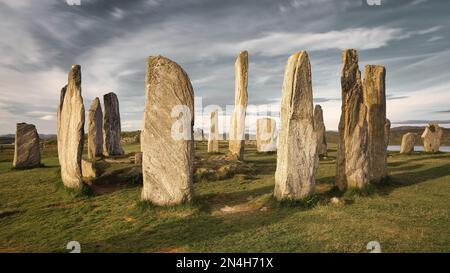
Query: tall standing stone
[[70, 130], [167, 145], [111, 126], [297, 157], [27, 152], [266, 129], [213, 138], [352, 156], [408, 142], [237, 130], [387, 133], [375, 99], [321, 131], [95, 129], [432, 138], [198, 134]]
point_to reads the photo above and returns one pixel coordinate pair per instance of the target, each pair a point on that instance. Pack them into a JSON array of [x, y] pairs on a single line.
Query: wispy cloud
[[111, 40]]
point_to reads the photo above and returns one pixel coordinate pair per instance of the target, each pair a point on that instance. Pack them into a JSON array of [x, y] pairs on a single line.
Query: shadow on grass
[[176, 235], [417, 156], [405, 179], [110, 181], [216, 200]]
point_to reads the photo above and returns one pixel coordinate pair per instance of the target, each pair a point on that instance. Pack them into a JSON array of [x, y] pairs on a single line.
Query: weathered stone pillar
[[352, 156], [387, 133], [167, 134], [237, 130], [266, 129], [408, 142], [198, 134], [95, 129], [213, 138], [297, 157], [321, 131], [70, 130], [375, 100], [111, 126], [27, 152], [432, 138]]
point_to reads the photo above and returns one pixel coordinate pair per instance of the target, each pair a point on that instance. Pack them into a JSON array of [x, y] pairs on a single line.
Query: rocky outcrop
[[198, 134], [321, 131], [70, 130], [297, 157], [111, 126], [432, 138], [95, 130], [266, 129], [27, 152], [375, 100], [88, 169], [408, 142], [213, 138], [352, 155], [167, 134], [237, 130]]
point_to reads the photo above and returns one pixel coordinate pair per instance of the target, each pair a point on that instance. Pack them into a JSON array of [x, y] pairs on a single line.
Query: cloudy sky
[[111, 39]]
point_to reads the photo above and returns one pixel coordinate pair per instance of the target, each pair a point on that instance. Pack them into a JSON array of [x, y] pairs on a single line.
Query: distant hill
[[397, 134], [9, 138], [332, 136]]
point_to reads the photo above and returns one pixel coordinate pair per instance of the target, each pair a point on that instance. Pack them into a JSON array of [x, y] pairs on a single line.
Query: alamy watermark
[[74, 246], [73, 2], [373, 2], [235, 122]]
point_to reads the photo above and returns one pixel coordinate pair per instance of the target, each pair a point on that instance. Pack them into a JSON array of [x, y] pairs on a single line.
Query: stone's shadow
[[215, 200], [173, 235], [417, 157], [111, 180], [411, 178], [408, 168], [176, 234], [6, 213], [327, 180], [264, 166]]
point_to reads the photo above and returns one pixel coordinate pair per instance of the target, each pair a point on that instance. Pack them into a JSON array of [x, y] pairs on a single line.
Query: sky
[[111, 40]]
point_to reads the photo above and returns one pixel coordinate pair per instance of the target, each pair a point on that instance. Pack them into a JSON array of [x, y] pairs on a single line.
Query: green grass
[[409, 213]]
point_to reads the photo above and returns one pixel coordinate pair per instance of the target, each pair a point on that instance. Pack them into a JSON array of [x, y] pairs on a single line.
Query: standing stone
[[266, 129], [213, 139], [432, 138], [237, 130], [387, 133], [352, 156], [95, 129], [408, 142], [70, 130], [88, 169], [111, 126], [321, 131], [168, 153], [26, 147], [375, 100], [297, 158], [198, 134]]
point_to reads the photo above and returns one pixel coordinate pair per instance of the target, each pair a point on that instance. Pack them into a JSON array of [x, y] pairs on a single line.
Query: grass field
[[411, 213]]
